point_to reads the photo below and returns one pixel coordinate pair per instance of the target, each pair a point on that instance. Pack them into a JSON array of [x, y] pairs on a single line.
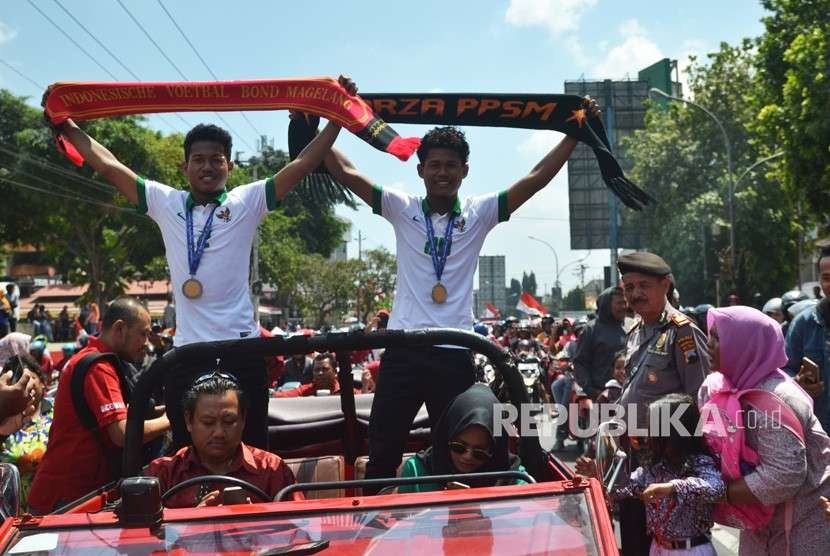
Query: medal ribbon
[[194, 253], [438, 261]]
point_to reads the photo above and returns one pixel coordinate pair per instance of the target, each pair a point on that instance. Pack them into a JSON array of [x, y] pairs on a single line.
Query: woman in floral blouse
[[679, 485]]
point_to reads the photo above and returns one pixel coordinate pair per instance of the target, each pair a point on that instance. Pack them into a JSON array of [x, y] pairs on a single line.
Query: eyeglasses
[[215, 374], [460, 448]]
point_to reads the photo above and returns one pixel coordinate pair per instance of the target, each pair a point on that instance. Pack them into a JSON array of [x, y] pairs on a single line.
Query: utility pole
[[359, 282]]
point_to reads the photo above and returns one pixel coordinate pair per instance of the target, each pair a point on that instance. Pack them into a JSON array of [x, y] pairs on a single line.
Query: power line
[[98, 42], [70, 197], [58, 169], [114, 57], [23, 75], [204, 63], [73, 41], [90, 56], [172, 63]]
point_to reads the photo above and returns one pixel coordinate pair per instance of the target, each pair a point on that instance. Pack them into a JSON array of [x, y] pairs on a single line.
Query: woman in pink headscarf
[[748, 348]]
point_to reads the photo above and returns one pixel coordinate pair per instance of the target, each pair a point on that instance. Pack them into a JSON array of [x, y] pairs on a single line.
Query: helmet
[[547, 318], [525, 345], [68, 349], [481, 328], [772, 306], [802, 305], [38, 347], [791, 298], [511, 320]]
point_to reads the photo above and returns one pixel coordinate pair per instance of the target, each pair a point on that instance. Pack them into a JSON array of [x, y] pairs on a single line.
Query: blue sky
[[529, 46]]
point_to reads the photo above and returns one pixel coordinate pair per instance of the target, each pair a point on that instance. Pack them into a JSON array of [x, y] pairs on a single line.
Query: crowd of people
[[639, 350]]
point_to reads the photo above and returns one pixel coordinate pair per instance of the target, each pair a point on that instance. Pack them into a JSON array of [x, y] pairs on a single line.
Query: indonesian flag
[[491, 312], [529, 304]]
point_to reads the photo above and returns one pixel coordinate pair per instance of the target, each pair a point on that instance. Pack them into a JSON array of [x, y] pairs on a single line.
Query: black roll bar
[[401, 481], [206, 354]]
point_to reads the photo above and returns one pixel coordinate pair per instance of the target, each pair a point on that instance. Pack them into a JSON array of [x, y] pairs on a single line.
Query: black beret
[[643, 262]]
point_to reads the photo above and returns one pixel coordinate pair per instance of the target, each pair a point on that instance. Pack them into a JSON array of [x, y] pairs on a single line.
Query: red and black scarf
[[322, 96]]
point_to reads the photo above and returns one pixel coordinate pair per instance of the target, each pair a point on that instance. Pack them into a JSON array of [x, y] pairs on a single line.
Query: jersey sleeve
[[151, 196], [491, 209], [260, 196], [390, 203], [102, 392]]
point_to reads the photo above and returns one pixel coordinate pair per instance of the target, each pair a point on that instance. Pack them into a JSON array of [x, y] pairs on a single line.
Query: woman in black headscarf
[[463, 441]]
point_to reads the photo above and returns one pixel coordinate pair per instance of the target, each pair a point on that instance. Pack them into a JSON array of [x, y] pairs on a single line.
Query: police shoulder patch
[[679, 319]]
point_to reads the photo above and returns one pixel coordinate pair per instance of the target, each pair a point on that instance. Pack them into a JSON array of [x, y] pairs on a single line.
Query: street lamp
[[555, 256], [732, 254], [757, 163]]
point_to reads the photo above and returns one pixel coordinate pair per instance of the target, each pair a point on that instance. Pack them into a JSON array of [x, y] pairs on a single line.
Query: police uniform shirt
[[666, 357]]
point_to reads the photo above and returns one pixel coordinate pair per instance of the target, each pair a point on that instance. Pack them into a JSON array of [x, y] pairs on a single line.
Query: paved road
[[725, 539]]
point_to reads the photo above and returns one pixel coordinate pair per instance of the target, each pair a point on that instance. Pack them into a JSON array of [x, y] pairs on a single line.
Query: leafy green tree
[[574, 300], [376, 280], [680, 157], [793, 95], [325, 288]]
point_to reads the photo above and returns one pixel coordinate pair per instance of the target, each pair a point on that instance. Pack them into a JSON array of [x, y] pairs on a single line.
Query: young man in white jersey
[[208, 233], [434, 284]]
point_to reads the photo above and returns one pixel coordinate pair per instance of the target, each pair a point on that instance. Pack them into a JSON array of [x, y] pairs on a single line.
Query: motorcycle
[[531, 371]]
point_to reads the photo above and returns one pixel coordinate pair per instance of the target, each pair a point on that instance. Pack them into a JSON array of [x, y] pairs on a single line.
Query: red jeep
[[324, 441]]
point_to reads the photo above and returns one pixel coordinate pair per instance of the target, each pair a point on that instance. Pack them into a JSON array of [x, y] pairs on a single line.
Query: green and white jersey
[[474, 218], [224, 311]]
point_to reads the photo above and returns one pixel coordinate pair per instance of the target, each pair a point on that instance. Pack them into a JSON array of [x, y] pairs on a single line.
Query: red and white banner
[[530, 305], [490, 312]]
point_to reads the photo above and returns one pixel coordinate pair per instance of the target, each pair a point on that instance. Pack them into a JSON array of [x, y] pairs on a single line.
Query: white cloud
[[558, 16], [6, 33], [636, 52], [538, 144]]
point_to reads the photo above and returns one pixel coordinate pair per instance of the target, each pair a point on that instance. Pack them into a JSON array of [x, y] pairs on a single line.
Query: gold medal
[[439, 293], [192, 288]]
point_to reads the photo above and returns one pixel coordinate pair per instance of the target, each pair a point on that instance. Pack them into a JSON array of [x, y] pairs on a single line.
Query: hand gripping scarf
[[322, 96], [563, 113]]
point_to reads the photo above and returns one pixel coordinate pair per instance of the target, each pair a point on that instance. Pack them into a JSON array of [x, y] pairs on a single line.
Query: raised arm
[[102, 161], [546, 169], [347, 175], [305, 163]]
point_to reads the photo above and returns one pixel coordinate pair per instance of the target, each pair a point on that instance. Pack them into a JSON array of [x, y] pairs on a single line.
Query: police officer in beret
[[665, 354]]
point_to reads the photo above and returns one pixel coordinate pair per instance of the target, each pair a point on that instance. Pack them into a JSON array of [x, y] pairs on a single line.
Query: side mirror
[[609, 457], [9, 491]]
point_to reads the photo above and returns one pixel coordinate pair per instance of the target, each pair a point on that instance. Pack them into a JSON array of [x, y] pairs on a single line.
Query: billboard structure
[[597, 221], [491, 283]]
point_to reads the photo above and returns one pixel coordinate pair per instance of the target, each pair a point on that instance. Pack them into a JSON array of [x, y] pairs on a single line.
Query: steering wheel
[[253, 489]]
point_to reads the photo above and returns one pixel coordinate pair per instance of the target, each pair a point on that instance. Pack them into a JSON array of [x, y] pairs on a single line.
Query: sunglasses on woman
[[460, 448]]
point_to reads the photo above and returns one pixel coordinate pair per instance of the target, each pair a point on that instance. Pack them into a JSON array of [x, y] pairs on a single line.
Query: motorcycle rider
[[599, 342], [788, 300], [772, 309]]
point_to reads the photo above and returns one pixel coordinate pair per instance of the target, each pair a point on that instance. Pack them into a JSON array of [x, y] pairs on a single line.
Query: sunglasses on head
[[215, 374], [460, 448]]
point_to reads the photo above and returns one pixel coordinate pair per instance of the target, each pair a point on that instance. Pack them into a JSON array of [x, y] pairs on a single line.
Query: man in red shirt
[[77, 459], [214, 412], [324, 377]]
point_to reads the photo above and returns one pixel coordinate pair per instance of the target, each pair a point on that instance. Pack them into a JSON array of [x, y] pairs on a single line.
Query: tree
[[376, 280], [326, 288], [83, 225], [529, 283], [680, 158], [792, 97], [513, 294], [574, 300]]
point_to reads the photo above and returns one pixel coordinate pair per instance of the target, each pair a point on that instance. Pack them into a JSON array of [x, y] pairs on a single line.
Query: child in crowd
[[679, 484]]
